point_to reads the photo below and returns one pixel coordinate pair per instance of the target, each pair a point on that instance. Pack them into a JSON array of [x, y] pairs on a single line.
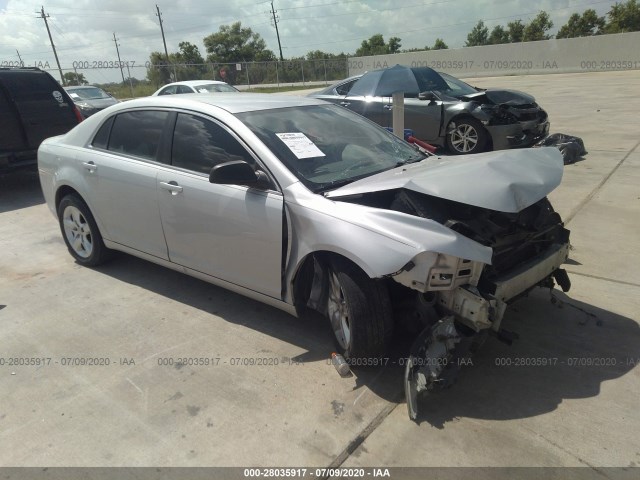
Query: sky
[[83, 30]]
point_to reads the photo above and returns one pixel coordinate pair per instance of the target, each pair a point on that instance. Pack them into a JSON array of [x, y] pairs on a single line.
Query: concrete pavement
[[198, 376]]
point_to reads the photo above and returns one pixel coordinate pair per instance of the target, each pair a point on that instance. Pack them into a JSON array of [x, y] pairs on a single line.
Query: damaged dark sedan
[[443, 110]]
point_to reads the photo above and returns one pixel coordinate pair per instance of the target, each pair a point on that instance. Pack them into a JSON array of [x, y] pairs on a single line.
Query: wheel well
[[312, 270], [62, 192]]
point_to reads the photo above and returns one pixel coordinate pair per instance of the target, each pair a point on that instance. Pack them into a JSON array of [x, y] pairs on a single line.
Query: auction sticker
[[300, 145]]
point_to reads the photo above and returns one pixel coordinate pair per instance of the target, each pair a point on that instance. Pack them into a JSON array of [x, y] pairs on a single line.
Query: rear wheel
[[468, 136], [359, 311], [80, 232]]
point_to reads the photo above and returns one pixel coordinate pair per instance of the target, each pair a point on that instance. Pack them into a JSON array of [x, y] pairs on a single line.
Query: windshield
[[327, 146], [214, 87], [88, 93], [456, 87]]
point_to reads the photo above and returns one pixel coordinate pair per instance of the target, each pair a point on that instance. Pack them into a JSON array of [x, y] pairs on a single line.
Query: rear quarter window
[[102, 137], [137, 133]]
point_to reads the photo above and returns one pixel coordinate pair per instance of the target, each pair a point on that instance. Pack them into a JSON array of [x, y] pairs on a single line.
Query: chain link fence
[[131, 79]]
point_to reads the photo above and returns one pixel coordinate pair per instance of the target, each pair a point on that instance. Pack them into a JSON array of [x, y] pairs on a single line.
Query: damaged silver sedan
[[305, 205]]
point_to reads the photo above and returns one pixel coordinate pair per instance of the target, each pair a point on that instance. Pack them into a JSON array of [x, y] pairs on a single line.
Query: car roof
[[192, 83], [231, 102], [76, 87]]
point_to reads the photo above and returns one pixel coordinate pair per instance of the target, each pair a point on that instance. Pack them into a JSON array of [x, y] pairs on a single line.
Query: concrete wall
[[586, 54]]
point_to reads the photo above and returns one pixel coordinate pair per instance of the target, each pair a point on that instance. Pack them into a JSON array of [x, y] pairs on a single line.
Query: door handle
[[92, 167], [345, 104], [172, 186], [388, 107]]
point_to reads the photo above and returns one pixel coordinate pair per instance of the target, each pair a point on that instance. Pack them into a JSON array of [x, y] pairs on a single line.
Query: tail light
[[79, 116]]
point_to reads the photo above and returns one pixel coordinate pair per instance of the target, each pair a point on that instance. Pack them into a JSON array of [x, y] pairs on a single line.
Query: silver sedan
[[305, 205]]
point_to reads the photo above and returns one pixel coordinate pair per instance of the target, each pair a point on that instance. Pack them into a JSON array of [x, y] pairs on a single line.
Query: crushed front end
[[456, 300]]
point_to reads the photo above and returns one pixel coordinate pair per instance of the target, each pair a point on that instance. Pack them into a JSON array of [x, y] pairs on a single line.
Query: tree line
[[237, 54], [623, 17]]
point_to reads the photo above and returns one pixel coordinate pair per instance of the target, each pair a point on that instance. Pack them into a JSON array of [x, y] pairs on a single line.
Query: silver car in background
[[305, 205]]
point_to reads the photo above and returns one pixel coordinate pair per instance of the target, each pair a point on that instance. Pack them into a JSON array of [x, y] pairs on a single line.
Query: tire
[[469, 136], [359, 312], [80, 232]]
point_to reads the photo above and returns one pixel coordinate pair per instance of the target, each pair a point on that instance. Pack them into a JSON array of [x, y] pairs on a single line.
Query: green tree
[[73, 78], [374, 46], [394, 45], [587, 24], [537, 28], [440, 45], [479, 35], [190, 62], [516, 31], [159, 71], [623, 17], [232, 44], [498, 35]]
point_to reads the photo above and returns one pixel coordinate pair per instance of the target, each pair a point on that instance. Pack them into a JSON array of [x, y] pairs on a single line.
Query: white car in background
[[195, 86]]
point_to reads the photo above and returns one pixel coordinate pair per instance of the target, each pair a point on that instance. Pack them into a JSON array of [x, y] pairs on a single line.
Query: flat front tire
[[359, 312], [80, 232]]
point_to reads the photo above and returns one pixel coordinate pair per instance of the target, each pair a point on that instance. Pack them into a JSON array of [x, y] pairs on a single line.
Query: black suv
[[33, 106]]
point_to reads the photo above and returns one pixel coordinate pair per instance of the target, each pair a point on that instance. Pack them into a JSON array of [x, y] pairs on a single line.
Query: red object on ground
[[427, 146]]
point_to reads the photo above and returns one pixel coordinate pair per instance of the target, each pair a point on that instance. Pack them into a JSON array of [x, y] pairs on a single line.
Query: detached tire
[[359, 312], [469, 136], [80, 232]]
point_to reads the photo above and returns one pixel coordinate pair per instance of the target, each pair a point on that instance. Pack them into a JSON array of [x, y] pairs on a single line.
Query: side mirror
[[237, 172], [427, 96]]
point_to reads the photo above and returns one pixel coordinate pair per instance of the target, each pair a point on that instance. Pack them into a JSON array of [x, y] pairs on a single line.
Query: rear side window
[[200, 144], [137, 133], [184, 89], [102, 137]]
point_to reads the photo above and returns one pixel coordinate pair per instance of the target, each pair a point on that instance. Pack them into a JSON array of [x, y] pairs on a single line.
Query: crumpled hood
[[505, 181], [502, 97]]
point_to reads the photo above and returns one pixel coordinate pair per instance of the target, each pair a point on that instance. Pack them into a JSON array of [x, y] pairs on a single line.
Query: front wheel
[[359, 311], [468, 136], [80, 232]]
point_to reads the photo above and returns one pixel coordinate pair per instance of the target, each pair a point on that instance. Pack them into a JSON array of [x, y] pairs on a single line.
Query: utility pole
[[275, 24], [44, 17], [159, 15], [115, 40], [19, 58]]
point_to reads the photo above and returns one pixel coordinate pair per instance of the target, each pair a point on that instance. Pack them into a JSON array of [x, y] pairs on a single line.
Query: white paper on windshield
[[300, 145]]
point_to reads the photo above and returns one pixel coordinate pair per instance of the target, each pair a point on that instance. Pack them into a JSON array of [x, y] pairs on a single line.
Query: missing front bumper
[[484, 310]]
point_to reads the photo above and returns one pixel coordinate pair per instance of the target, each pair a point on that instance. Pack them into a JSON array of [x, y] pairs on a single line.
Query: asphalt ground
[[269, 396]]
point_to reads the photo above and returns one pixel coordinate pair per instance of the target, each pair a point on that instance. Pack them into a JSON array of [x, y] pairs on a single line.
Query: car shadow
[[20, 189], [569, 334], [565, 350]]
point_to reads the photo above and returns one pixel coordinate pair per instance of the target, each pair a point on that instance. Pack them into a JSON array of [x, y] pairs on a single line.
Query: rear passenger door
[[120, 169], [230, 232]]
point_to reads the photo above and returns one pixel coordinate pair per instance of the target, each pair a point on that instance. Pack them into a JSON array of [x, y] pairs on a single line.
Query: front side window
[[137, 133], [200, 144]]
